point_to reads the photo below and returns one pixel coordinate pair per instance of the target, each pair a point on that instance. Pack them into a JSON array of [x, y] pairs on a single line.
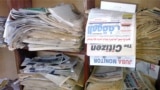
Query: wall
[[7, 64], [49, 3], [140, 3], [3, 8], [7, 60], [80, 3]]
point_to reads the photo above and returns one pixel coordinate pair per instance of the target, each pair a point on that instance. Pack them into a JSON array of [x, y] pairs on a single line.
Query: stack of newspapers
[[54, 72], [7, 84], [105, 78], [111, 38], [58, 28], [134, 80], [148, 34], [2, 23]]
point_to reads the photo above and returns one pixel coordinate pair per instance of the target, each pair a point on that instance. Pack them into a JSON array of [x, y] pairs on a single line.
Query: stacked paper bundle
[[149, 70], [58, 72], [111, 41], [2, 22], [7, 84], [148, 34], [58, 28], [134, 80], [105, 78], [4, 84]]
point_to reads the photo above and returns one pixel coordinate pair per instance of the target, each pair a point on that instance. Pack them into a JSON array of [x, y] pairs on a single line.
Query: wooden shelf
[[20, 54], [82, 51]]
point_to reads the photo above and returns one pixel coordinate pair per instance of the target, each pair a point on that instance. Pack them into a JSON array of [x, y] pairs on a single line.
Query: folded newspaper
[[58, 64], [105, 78], [45, 29], [55, 72], [111, 33], [136, 81], [110, 27], [148, 69]]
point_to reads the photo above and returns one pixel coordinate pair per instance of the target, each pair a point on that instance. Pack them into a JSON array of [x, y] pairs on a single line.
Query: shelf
[[20, 54], [81, 52]]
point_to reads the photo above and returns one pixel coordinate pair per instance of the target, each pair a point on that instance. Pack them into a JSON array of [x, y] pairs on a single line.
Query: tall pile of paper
[[148, 34], [58, 28], [54, 72], [2, 23], [111, 38], [105, 78]]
